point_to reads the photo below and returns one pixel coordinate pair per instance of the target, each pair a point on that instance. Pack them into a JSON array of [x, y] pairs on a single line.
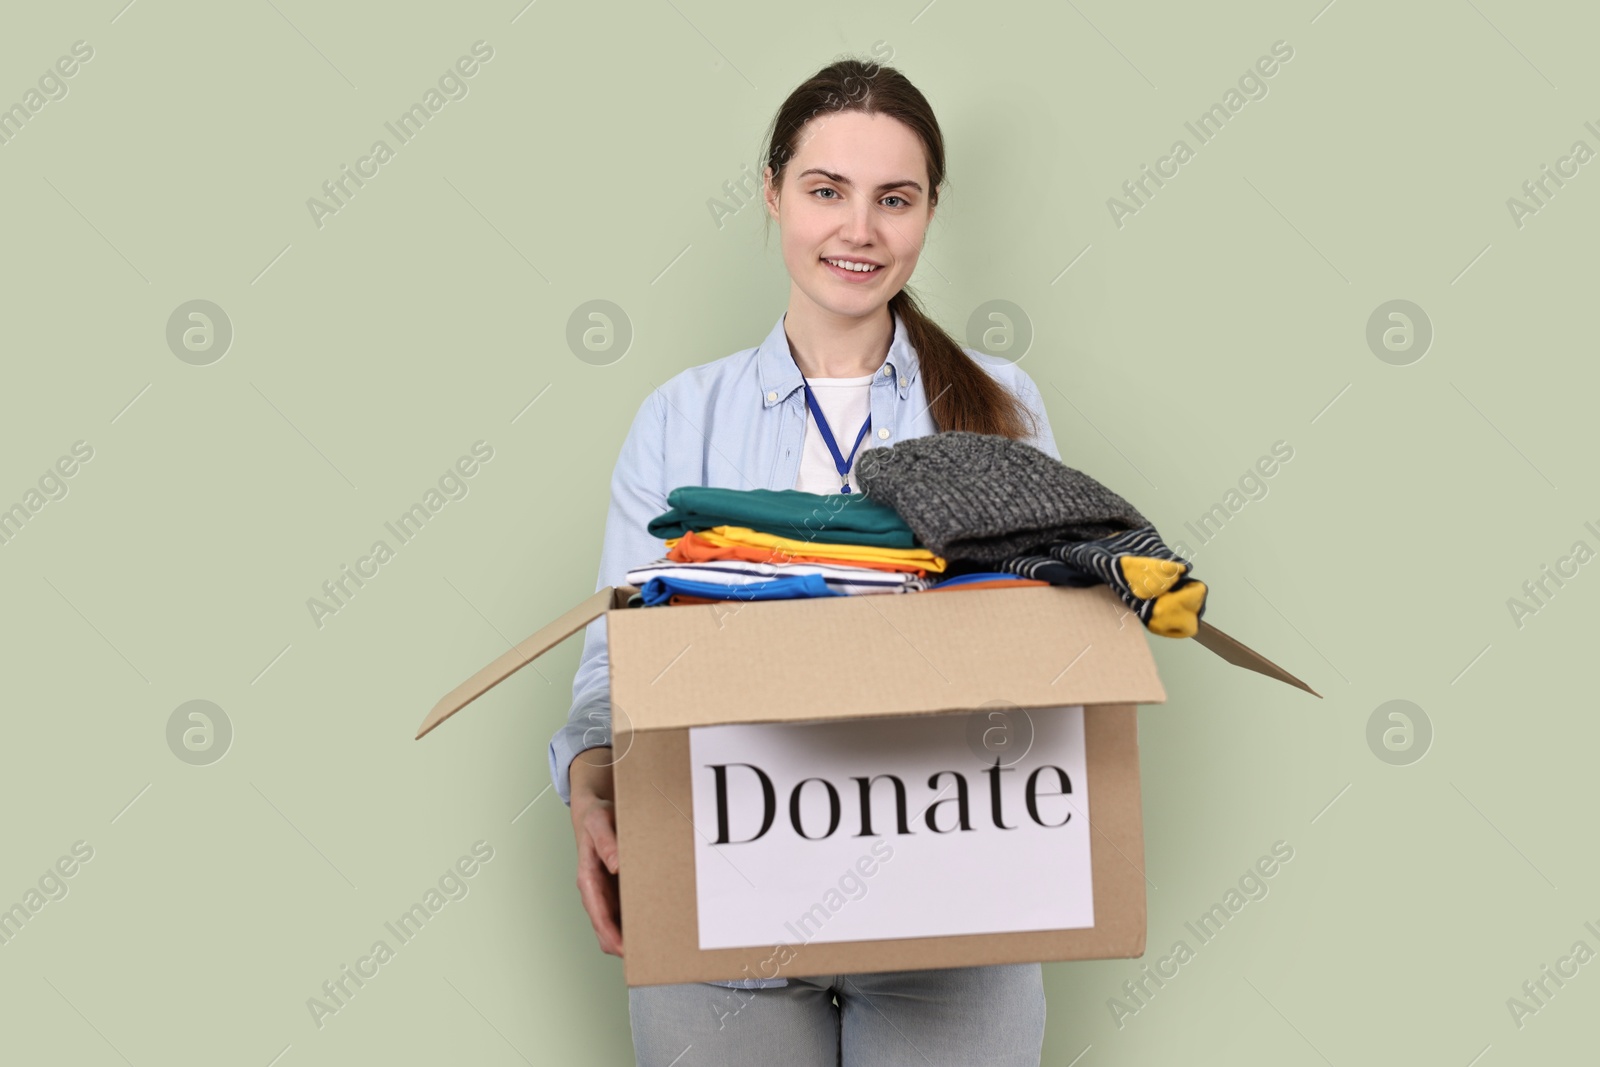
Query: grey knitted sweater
[[985, 497]]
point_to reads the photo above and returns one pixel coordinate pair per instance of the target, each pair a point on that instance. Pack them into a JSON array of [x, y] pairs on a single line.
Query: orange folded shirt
[[694, 549]]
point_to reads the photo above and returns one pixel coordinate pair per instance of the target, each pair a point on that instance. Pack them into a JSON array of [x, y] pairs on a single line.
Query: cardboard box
[[678, 667]]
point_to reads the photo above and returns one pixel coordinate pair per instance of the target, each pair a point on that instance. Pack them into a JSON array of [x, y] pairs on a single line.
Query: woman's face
[[855, 189]]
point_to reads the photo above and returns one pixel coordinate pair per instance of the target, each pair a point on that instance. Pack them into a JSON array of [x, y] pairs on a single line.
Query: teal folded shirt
[[830, 518]]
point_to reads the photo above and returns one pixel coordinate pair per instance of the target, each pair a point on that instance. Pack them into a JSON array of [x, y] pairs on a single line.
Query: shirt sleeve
[[1044, 438], [637, 496]]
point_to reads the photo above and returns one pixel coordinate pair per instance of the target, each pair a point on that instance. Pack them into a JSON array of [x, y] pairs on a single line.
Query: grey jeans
[[958, 1016]]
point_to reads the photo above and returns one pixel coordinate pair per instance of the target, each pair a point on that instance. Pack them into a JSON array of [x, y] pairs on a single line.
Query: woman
[[855, 160]]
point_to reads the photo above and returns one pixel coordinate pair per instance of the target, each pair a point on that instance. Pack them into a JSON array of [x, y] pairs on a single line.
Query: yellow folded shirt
[[743, 535]]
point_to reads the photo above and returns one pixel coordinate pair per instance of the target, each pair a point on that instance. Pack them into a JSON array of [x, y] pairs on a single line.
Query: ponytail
[[961, 395]]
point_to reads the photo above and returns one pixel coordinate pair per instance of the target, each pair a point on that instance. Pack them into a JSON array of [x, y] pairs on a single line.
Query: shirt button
[[886, 369], [883, 432], [902, 383], [772, 396]]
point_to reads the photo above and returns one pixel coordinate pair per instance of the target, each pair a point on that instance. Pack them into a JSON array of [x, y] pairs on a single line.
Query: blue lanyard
[[827, 437]]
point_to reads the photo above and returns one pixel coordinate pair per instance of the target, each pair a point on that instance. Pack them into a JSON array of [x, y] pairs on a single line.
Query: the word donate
[[978, 848]]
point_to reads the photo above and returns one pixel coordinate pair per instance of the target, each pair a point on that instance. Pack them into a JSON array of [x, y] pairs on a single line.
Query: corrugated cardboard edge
[[660, 913]]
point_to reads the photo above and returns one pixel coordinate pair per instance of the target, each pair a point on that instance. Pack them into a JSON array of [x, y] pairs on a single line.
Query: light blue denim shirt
[[736, 423]]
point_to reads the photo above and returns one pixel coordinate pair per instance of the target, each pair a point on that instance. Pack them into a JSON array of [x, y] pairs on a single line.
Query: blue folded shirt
[[660, 590], [978, 576]]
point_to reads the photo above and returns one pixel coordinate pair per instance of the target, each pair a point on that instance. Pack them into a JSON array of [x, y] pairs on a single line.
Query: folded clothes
[[850, 581], [1149, 577], [660, 590], [986, 497], [985, 580], [982, 581], [993, 500], [830, 518], [988, 576], [1153, 582], [832, 553], [1048, 569], [697, 548], [991, 583]]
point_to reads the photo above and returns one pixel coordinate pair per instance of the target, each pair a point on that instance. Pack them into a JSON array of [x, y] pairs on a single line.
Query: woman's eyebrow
[[902, 183]]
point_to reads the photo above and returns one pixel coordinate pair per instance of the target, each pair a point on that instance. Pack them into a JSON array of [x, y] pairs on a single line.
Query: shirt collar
[[779, 375]]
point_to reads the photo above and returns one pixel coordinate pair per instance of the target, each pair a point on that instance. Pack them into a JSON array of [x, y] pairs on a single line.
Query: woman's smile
[[861, 273]]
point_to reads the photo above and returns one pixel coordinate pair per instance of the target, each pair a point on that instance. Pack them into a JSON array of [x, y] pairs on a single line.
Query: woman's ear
[[769, 195]]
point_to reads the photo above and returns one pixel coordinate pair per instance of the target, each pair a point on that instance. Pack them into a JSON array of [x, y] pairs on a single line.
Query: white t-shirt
[[845, 402]]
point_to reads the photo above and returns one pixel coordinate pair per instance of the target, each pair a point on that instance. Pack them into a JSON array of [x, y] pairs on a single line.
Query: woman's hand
[[594, 826]]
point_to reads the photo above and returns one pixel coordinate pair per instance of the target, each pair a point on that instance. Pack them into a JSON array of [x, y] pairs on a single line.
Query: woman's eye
[[833, 195]]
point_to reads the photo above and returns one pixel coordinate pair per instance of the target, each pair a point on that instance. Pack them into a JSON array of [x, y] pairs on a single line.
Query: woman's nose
[[858, 227]]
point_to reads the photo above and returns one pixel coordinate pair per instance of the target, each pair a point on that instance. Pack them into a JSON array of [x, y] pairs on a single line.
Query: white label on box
[[786, 853]]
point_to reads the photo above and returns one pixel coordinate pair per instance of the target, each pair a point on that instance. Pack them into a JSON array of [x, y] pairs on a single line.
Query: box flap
[[850, 656], [1239, 655], [525, 652], [1016, 642]]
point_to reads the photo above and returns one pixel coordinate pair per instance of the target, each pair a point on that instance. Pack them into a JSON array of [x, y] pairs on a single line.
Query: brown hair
[[961, 394]]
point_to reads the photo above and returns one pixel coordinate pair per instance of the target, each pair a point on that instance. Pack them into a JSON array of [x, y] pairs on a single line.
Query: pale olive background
[[1230, 313]]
